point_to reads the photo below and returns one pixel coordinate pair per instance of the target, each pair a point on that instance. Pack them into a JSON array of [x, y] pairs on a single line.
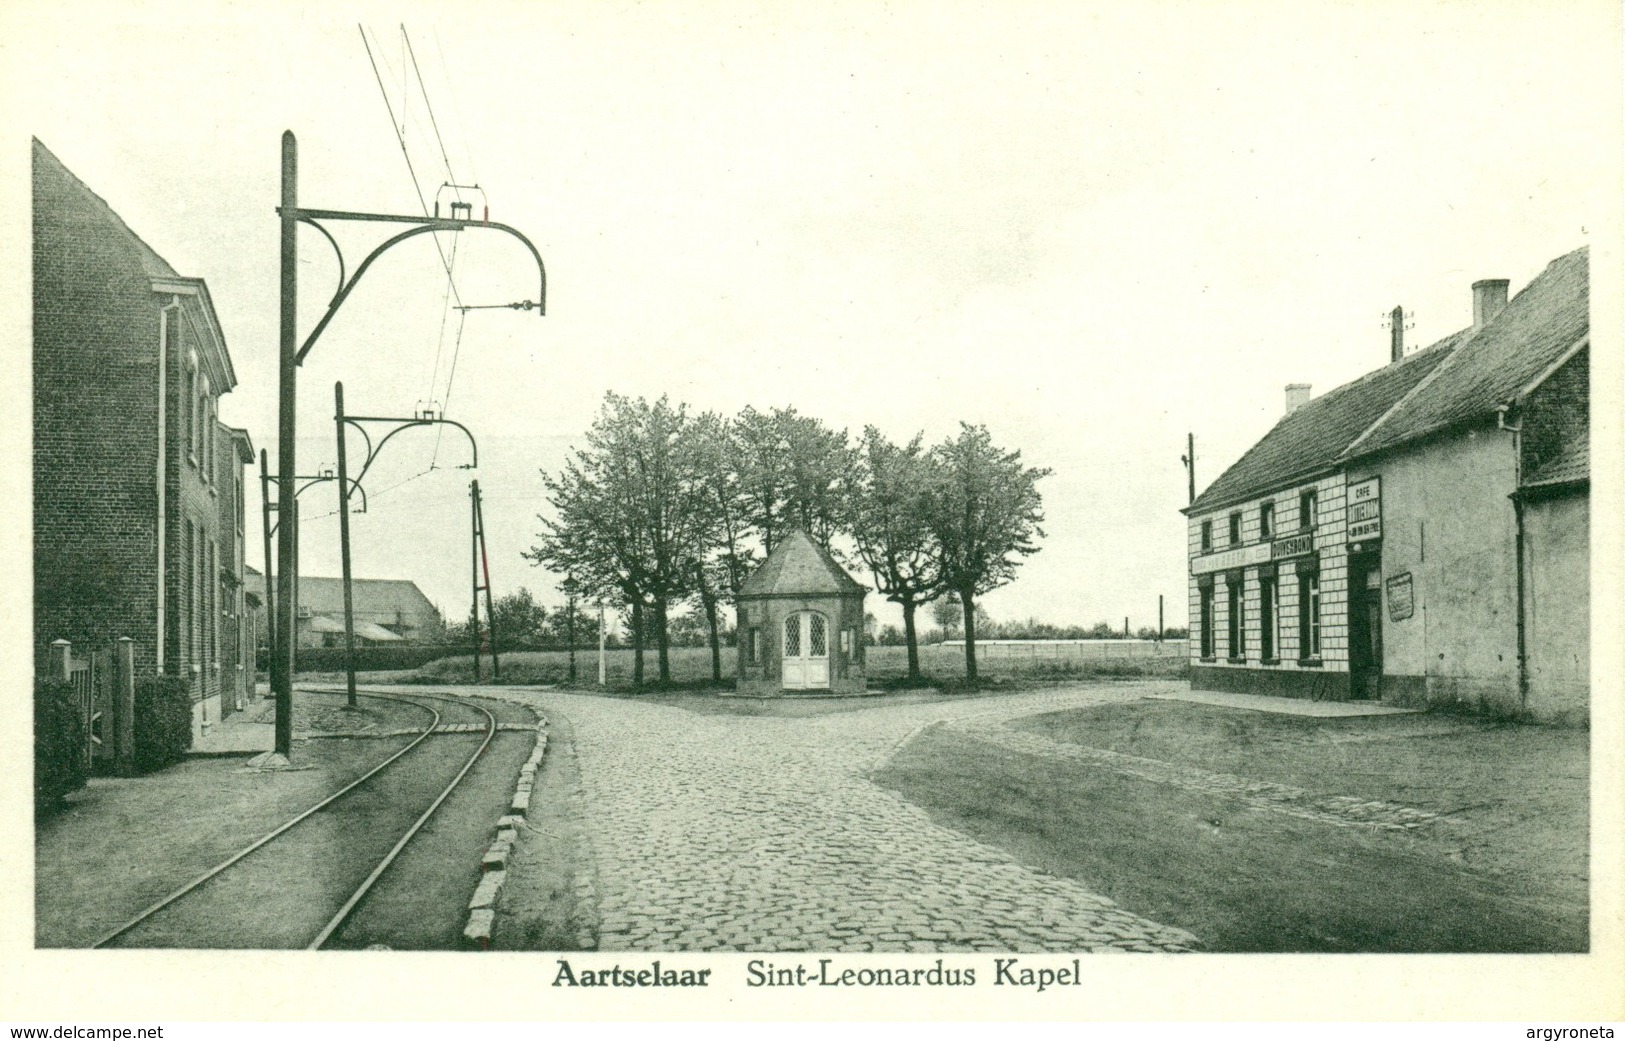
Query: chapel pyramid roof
[[798, 565]]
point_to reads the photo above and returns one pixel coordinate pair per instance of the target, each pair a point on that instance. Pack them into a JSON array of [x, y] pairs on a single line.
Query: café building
[[1419, 536]]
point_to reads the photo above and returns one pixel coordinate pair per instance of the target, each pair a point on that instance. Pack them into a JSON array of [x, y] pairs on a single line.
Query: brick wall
[[1558, 410], [98, 324], [95, 421]]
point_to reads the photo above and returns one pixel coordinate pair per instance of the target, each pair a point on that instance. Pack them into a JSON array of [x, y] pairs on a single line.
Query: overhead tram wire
[[449, 263], [462, 316], [451, 178], [427, 104], [400, 136], [374, 497], [456, 110]]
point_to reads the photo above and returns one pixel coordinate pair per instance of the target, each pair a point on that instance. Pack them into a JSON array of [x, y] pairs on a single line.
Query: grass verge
[[1505, 871]]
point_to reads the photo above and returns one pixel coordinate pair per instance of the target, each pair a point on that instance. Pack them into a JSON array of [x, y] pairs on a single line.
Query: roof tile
[[800, 565], [1461, 378]]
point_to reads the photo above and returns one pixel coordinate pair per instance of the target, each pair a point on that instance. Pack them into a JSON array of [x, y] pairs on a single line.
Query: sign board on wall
[[1292, 546], [1365, 510], [1230, 558], [1401, 597]]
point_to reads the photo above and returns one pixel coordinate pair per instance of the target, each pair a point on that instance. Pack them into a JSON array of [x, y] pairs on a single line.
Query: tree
[[628, 517], [520, 620], [947, 613], [985, 516], [726, 562], [889, 512], [792, 472]]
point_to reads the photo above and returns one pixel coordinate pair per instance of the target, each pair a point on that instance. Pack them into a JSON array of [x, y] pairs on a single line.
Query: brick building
[[130, 460], [1420, 535]]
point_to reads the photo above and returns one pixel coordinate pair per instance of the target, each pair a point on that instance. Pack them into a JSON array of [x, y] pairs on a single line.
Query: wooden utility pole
[[287, 546], [474, 558], [482, 570], [344, 545]]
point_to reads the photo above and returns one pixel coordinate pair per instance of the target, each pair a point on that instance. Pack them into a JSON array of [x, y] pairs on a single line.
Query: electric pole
[[344, 546], [291, 354], [282, 673]]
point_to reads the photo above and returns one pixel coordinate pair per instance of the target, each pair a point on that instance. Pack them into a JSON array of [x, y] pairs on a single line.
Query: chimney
[[1396, 334], [1489, 296], [1297, 396]]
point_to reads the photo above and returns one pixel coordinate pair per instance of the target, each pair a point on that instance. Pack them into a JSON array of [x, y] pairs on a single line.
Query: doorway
[[806, 651], [1365, 627]]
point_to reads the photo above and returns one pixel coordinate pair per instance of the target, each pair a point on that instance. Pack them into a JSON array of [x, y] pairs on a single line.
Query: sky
[[1093, 227]]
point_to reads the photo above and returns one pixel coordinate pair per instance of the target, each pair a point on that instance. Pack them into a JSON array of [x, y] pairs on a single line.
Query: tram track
[[301, 883]]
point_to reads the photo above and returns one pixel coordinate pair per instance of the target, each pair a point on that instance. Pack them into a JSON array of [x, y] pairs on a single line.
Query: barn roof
[[798, 565], [325, 596]]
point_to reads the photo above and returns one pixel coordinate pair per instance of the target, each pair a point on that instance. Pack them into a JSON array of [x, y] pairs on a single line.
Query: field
[[691, 667]]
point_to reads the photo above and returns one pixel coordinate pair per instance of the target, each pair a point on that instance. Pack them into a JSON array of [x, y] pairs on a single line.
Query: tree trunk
[[637, 643], [709, 600], [913, 641], [663, 641], [965, 599]]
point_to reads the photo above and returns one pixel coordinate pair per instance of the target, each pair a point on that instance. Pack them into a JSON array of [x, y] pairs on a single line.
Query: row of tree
[[524, 624], [662, 507]]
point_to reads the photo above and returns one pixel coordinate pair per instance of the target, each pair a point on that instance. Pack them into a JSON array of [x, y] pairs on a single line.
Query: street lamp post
[[291, 354], [571, 588]]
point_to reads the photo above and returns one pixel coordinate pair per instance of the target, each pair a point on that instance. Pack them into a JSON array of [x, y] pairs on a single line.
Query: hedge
[[59, 744], [163, 721], [367, 659]]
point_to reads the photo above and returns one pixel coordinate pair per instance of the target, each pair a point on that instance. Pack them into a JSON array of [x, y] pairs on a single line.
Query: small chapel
[[800, 624]]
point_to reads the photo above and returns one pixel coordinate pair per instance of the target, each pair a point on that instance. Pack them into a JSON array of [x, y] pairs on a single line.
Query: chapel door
[[806, 651]]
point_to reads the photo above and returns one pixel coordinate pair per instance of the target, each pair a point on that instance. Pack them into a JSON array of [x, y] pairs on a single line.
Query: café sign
[[1365, 510]]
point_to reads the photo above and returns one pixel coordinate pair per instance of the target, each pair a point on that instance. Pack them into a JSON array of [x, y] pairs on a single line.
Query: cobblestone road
[[719, 832]]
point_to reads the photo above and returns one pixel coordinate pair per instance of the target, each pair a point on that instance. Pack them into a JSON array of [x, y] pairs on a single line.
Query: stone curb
[[482, 906]]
